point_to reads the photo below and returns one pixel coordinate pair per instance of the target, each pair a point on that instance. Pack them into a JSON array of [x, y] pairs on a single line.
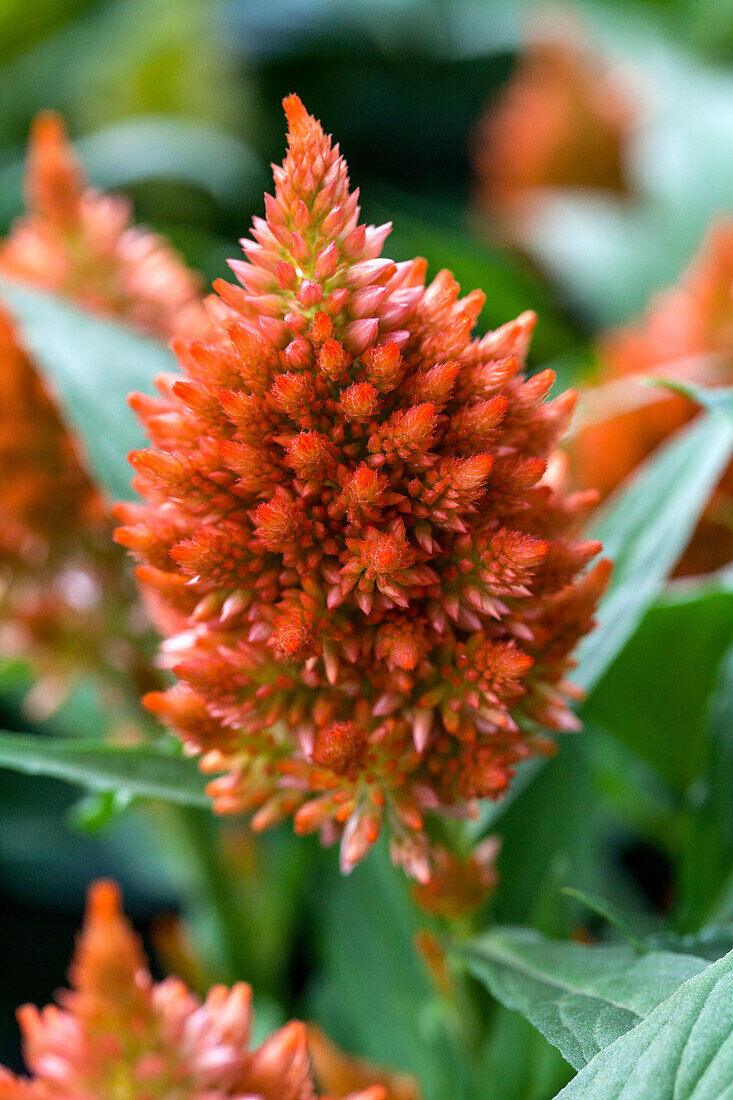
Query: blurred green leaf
[[145, 771], [654, 697], [543, 850], [711, 942], [644, 529], [707, 863], [164, 147], [97, 810], [581, 998], [518, 1062], [375, 997], [93, 364], [683, 1049]]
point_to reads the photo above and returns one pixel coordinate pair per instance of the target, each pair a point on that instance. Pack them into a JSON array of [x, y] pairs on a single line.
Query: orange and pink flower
[[355, 535], [117, 1033]]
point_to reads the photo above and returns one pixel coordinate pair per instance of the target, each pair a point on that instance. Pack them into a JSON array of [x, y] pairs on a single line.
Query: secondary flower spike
[[687, 333], [564, 120], [82, 244], [118, 1034], [66, 604], [354, 535]]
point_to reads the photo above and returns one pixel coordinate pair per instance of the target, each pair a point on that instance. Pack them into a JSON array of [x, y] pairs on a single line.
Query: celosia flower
[[82, 244], [687, 334], [352, 535], [561, 121], [65, 602], [118, 1035]]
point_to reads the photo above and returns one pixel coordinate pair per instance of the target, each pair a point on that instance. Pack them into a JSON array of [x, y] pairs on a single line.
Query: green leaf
[[718, 400], [93, 364], [375, 996], [707, 862], [518, 1061], [581, 998], [144, 771], [711, 942], [682, 1050], [654, 698], [645, 528]]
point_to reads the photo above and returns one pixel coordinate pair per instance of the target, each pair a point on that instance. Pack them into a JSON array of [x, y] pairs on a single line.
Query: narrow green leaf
[[93, 365], [581, 998], [682, 1050], [145, 771], [611, 913], [645, 528]]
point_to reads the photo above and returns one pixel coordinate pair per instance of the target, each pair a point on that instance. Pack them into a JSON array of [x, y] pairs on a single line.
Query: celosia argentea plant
[[118, 1035], [355, 534]]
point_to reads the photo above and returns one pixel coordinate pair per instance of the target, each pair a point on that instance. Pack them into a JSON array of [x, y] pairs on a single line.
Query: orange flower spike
[[561, 122], [382, 628], [80, 243], [687, 333], [65, 581], [118, 1033]]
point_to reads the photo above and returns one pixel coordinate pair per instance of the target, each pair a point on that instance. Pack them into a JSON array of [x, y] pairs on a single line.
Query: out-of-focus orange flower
[[65, 603], [355, 535], [82, 244], [118, 1034], [687, 333], [341, 1075], [459, 886], [563, 121]]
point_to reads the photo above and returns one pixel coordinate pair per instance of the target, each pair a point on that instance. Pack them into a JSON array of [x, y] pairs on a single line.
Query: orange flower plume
[[354, 536], [64, 601], [562, 121], [117, 1033], [82, 244], [687, 334]]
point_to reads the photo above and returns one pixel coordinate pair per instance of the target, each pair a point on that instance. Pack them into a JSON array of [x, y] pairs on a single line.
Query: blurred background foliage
[[178, 103]]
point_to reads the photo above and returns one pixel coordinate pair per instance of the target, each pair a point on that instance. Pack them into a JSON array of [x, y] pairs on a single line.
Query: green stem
[[210, 887]]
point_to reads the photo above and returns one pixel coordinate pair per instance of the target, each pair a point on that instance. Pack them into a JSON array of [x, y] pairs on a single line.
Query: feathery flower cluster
[[354, 535], [562, 121], [687, 334], [64, 601], [118, 1034]]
